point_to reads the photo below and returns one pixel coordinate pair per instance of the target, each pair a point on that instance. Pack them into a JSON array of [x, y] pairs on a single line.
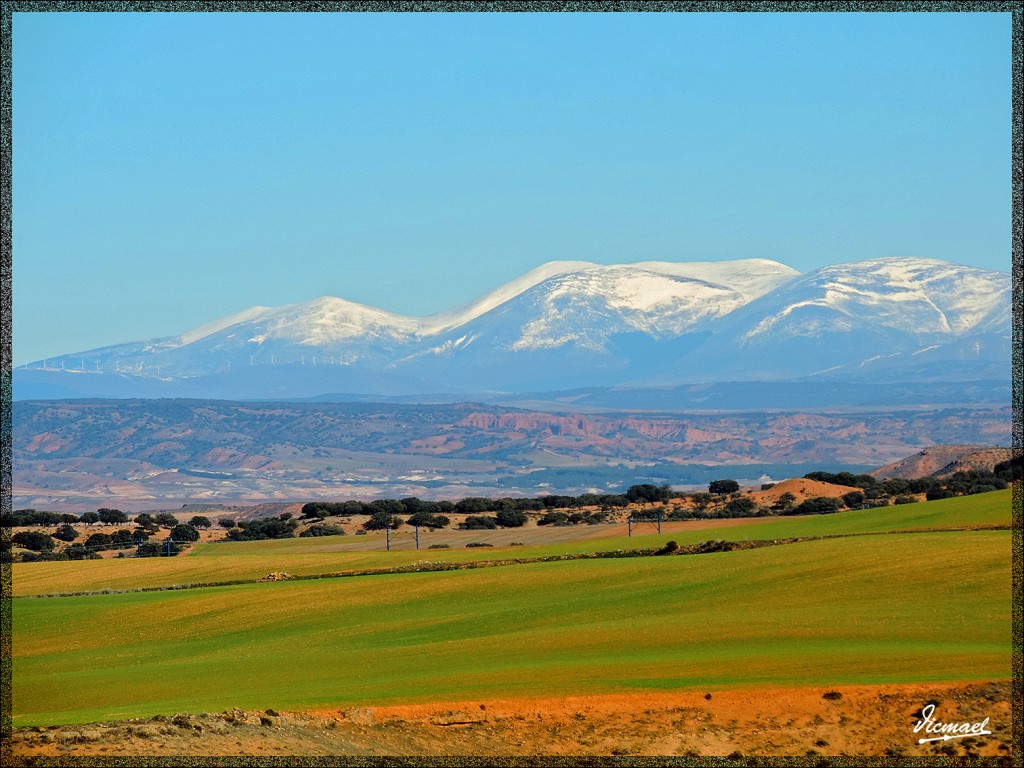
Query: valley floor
[[861, 720]]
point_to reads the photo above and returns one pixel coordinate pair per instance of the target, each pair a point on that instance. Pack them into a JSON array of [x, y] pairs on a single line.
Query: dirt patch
[[860, 720], [802, 489]]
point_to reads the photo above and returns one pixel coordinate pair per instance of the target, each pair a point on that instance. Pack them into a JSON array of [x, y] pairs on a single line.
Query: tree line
[[722, 500]]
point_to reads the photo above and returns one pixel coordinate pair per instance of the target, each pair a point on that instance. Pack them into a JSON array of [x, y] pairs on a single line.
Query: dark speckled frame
[[1016, 7]]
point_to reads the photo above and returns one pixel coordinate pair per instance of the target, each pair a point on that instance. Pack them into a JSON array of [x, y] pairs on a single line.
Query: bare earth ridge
[[944, 460], [852, 720]]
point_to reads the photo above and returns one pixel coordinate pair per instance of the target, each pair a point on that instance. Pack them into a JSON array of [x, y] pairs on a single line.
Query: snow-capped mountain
[[922, 297], [866, 317], [571, 324], [604, 320], [327, 330]]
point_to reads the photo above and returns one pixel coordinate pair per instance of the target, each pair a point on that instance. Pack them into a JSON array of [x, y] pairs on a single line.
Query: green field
[[214, 562], [881, 608]]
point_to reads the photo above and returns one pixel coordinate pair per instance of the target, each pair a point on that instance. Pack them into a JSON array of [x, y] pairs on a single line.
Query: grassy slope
[[229, 561], [930, 606]]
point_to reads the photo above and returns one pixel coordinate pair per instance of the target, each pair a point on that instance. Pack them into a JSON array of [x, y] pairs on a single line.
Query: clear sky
[[170, 169]]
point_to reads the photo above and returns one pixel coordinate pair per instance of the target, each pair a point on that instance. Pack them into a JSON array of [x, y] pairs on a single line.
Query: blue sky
[[170, 169]]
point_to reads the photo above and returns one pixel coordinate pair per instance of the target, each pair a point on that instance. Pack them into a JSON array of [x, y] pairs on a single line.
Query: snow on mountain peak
[[208, 329], [915, 295], [329, 320], [445, 321], [751, 278], [588, 306]]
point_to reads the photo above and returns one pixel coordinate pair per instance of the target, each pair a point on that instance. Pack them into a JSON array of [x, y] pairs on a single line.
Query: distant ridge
[[944, 460]]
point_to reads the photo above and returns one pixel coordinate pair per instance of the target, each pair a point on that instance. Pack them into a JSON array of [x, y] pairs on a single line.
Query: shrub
[[853, 499], [122, 538], [226, 522], [701, 500], [904, 500], [821, 505], [716, 545], [894, 486], [472, 504], [428, 520], [511, 518], [382, 519], [783, 503], [922, 484], [843, 478], [184, 532], [65, 533], [38, 557], [668, 549], [98, 541], [741, 507], [554, 518], [648, 493], [1011, 470], [158, 549], [983, 488], [479, 523], [722, 487], [111, 516], [438, 546], [479, 544], [264, 528], [80, 552], [39, 542], [321, 529], [32, 517], [199, 521]]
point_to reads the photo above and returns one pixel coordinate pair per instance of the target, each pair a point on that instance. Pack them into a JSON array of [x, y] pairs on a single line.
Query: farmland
[[879, 608], [214, 562]]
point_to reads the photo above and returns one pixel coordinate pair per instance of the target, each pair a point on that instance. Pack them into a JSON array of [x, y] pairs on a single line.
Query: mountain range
[[575, 324]]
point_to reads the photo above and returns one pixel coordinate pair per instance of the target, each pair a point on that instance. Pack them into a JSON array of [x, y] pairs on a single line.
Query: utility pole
[[417, 536], [387, 529], [629, 525], [659, 521]]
